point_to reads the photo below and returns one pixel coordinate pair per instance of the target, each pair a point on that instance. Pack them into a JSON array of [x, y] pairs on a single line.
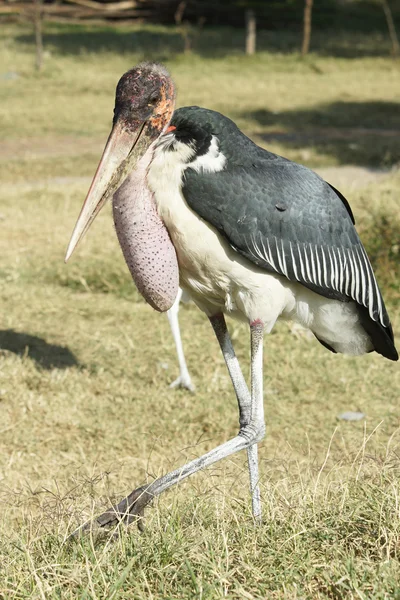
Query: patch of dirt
[[67, 145], [351, 177], [46, 146], [327, 133], [346, 176]]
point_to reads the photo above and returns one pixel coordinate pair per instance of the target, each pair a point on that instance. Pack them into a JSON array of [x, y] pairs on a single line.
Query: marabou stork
[[245, 232]]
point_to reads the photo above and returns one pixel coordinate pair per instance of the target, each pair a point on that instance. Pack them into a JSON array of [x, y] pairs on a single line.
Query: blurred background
[[85, 409]]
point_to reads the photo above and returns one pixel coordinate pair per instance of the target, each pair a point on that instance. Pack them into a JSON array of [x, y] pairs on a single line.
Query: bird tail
[[381, 337]]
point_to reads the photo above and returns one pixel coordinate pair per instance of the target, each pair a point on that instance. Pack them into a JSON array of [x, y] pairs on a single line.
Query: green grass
[[85, 411], [273, 92]]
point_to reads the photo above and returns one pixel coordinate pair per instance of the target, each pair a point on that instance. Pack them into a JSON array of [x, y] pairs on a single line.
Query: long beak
[[122, 151]]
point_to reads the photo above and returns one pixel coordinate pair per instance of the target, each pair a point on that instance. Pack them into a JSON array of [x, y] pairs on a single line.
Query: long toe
[[128, 510]]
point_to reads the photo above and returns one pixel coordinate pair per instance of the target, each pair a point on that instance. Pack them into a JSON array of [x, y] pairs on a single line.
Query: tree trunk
[[250, 32], [183, 27], [307, 27], [391, 27], [38, 21], [179, 12]]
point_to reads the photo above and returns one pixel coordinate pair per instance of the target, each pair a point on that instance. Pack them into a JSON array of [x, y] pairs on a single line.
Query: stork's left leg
[[257, 410]]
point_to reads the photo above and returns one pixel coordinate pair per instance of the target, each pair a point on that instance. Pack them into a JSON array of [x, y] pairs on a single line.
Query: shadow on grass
[[163, 43], [360, 133], [47, 356], [378, 114]]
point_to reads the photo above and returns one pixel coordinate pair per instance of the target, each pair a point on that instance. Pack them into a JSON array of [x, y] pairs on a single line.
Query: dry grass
[[85, 411]]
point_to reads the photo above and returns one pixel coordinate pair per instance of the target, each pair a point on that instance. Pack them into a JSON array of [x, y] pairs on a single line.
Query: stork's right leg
[[243, 396], [132, 507]]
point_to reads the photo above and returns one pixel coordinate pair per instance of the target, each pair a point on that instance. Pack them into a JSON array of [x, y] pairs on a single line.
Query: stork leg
[[184, 379], [243, 395], [250, 433], [257, 411]]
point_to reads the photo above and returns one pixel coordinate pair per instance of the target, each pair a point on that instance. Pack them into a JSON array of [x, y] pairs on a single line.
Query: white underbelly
[[216, 276], [219, 279]]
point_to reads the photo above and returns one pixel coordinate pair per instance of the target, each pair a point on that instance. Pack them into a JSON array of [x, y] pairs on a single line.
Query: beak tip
[[68, 253]]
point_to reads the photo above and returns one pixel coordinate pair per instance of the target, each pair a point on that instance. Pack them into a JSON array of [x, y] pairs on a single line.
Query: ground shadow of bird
[[357, 133], [211, 42], [47, 356]]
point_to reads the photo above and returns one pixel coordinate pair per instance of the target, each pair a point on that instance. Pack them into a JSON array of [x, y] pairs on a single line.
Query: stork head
[[144, 105]]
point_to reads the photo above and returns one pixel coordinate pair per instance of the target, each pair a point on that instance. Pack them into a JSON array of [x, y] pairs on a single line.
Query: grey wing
[[286, 219]]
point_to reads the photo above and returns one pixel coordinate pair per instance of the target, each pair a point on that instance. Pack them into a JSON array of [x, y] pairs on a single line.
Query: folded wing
[[284, 218]]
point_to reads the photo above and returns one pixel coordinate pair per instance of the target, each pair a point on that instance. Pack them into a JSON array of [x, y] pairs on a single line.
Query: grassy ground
[[85, 411]]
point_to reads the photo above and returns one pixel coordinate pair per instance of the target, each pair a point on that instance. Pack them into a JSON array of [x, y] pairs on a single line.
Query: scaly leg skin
[[132, 507], [257, 414], [184, 379]]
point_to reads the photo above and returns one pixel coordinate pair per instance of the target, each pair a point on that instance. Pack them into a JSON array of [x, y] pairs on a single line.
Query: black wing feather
[[270, 215]]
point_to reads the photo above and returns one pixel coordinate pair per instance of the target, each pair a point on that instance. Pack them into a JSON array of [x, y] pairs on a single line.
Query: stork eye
[[153, 101]]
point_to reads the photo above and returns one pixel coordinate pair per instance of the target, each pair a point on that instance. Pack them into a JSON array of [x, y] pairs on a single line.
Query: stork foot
[[183, 381], [128, 510]]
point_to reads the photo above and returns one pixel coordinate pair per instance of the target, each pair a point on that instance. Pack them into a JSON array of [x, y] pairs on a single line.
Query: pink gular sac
[[144, 239]]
